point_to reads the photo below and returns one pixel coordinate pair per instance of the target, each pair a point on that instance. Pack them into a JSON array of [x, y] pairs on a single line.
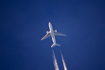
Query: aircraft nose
[[49, 23]]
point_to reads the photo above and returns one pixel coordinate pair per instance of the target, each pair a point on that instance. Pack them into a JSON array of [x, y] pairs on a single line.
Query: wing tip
[[41, 39]]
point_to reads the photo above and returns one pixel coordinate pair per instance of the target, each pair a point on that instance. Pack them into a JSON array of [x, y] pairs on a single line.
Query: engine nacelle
[[47, 32], [55, 30]]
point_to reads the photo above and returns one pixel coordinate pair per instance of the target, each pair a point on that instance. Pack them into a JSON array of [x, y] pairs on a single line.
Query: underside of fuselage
[[52, 34]]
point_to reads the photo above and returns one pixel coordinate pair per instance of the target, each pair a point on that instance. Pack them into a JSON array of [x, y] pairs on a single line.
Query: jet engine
[[55, 30], [47, 32]]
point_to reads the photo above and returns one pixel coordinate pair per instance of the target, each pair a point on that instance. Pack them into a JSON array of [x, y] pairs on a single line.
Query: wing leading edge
[[46, 36], [55, 33], [59, 34]]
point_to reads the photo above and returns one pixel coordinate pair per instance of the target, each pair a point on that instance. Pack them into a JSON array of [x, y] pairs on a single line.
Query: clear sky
[[24, 22]]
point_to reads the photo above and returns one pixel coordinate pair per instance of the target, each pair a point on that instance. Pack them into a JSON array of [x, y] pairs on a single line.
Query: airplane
[[52, 34]]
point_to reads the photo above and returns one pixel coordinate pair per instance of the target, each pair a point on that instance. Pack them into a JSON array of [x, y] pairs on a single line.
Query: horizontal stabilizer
[[54, 45], [57, 45]]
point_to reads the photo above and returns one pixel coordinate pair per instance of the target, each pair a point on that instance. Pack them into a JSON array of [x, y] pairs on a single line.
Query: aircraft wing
[[46, 36], [59, 34]]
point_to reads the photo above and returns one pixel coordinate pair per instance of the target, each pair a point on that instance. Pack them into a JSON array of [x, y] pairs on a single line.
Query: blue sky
[[24, 22]]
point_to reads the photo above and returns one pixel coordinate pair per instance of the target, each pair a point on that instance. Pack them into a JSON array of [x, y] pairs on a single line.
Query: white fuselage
[[52, 33]]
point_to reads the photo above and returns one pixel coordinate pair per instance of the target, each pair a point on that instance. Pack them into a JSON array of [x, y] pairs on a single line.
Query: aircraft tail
[[54, 45]]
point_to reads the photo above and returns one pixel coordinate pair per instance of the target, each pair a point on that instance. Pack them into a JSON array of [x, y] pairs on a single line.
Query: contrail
[[64, 64], [55, 61]]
